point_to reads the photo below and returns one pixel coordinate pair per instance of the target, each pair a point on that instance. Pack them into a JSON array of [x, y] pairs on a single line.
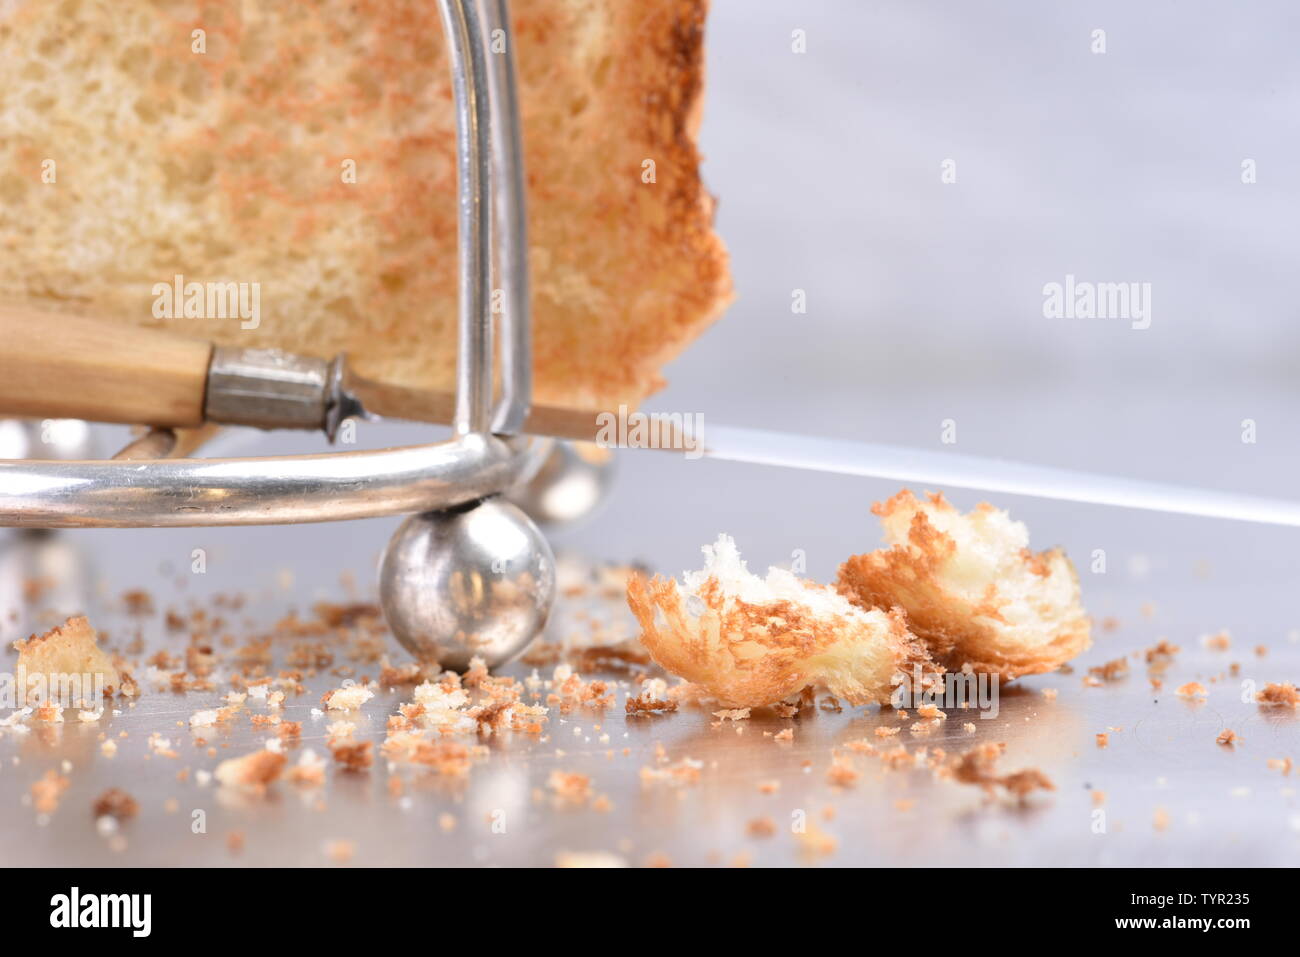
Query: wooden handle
[[55, 366]]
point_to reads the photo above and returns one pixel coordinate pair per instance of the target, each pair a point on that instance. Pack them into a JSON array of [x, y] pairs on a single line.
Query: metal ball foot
[[474, 581], [572, 481]]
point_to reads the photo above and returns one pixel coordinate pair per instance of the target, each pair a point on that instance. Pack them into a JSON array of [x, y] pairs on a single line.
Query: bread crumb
[[251, 771], [645, 703], [117, 804], [309, 771], [814, 842], [1227, 737], [67, 651], [340, 852], [1111, 670], [1282, 694], [589, 859], [1193, 689], [1221, 641], [978, 766], [570, 787], [684, 772], [348, 698], [732, 714], [354, 756], [1103, 739], [1161, 651], [48, 791], [841, 772]]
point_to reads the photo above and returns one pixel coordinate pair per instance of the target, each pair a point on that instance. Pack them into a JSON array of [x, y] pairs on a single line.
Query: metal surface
[[1223, 806], [476, 581]]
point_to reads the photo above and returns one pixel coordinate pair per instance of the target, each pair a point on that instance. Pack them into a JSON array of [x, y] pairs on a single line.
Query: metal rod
[[510, 223], [474, 359], [258, 491]]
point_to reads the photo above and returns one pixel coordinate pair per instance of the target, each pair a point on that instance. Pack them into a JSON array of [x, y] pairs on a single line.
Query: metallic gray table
[[1222, 805]]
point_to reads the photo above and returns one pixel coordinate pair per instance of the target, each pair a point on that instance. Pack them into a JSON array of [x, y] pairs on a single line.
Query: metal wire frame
[[348, 485]]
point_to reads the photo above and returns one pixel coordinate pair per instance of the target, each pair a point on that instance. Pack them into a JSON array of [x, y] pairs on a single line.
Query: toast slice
[[218, 141]]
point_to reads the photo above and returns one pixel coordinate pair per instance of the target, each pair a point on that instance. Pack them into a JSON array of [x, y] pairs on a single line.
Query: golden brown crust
[[753, 654], [961, 629], [228, 165]]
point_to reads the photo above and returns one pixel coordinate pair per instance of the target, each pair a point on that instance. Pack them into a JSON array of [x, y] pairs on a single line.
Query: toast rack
[[468, 573]]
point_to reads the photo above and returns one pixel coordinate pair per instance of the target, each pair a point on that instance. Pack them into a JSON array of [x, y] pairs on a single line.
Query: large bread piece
[[232, 164]]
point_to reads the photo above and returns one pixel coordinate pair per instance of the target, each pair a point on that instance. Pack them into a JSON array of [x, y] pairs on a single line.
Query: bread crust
[[227, 165], [916, 575]]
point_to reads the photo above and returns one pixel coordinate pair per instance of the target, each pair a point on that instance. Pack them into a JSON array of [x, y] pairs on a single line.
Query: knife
[[63, 366]]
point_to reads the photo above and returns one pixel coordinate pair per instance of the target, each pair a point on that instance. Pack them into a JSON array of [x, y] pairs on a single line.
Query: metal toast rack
[[468, 573]]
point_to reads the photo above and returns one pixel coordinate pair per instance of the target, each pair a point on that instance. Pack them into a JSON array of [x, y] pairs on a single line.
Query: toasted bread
[[751, 641], [140, 141], [65, 655], [972, 589]]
